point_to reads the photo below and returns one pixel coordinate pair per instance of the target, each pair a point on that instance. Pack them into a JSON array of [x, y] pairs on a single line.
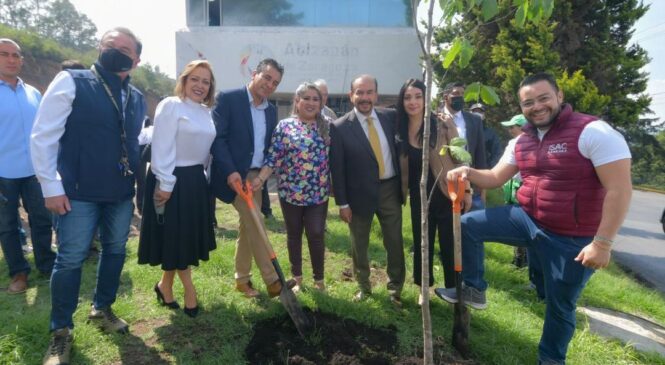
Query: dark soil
[[333, 341]]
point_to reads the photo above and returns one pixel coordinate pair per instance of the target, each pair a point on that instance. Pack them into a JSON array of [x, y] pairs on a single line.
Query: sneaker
[[298, 284], [473, 297], [60, 348], [107, 320]]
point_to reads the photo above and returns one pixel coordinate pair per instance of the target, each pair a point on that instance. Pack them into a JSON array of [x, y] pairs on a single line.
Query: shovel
[[286, 296], [461, 317]]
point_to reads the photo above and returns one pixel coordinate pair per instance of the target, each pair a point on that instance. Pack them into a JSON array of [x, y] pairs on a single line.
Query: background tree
[[586, 45], [55, 19]]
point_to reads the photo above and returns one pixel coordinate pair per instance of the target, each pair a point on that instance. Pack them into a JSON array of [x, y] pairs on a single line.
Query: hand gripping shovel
[[286, 296], [461, 318]]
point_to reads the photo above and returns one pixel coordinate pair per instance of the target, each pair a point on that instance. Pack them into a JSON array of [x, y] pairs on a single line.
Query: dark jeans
[[75, 232], [29, 191], [563, 277], [265, 201], [313, 220], [440, 219]]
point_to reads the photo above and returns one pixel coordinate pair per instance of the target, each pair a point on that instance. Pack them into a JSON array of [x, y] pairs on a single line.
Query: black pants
[[441, 219]]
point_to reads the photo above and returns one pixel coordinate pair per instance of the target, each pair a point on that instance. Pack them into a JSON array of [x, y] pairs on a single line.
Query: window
[[305, 13]]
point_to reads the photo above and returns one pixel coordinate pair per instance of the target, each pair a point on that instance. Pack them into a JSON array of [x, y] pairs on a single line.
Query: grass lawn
[[506, 333]]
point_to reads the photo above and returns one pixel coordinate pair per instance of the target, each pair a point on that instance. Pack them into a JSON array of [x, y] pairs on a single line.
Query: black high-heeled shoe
[[160, 298], [192, 312]]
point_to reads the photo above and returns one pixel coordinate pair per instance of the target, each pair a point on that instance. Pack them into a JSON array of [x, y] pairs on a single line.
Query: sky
[[156, 21]]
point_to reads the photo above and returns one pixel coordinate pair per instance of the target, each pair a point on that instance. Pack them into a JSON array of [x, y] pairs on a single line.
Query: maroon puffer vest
[[560, 188]]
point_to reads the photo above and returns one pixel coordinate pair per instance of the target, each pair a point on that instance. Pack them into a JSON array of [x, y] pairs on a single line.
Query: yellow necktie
[[376, 145]]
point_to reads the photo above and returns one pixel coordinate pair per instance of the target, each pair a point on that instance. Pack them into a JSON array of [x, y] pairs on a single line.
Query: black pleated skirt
[[186, 234]]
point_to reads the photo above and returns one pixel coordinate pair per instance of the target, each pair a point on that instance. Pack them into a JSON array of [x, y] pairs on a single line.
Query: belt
[[388, 179], [255, 169]]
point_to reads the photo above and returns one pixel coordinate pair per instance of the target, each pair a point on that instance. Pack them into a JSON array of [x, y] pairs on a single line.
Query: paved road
[[640, 245]]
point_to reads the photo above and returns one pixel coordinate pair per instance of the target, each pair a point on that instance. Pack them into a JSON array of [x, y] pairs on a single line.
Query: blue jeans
[[75, 232], [30, 192], [563, 277], [477, 202]]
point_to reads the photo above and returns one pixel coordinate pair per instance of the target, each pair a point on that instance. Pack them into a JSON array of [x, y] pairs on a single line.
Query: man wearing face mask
[[469, 127], [85, 148]]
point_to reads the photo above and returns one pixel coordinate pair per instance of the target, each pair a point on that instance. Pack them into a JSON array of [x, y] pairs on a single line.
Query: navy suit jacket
[[233, 148], [475, 138], [355, 171]]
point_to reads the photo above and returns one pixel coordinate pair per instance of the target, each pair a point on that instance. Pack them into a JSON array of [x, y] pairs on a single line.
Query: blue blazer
[[233, 148]]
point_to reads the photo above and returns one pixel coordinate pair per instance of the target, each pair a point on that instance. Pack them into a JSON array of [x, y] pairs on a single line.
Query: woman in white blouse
[[177, 229]]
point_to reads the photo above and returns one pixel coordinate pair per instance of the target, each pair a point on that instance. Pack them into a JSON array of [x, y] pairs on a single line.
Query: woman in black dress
[[177, 229], [410, 118]]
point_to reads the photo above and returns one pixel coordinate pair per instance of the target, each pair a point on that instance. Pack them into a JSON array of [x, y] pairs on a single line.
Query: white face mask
[[481, 115]]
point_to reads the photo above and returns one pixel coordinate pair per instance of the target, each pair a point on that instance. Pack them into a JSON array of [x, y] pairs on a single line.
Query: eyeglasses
[[543, 99], [15, 56]]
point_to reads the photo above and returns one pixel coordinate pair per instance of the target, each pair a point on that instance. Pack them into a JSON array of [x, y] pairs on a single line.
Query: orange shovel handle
[[245, 193], [456, 193]]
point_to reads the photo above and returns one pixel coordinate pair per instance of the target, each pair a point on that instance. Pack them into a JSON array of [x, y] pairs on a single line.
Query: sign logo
[[558, 148], [251, 55]]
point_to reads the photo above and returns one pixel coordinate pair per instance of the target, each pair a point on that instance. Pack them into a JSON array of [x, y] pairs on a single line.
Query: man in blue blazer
[[245, 121]]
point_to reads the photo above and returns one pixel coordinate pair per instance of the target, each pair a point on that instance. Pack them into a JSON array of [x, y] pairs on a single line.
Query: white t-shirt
[[598, 142]]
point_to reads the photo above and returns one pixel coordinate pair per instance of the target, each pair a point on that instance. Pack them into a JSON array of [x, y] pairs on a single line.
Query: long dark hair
[[403, 117]]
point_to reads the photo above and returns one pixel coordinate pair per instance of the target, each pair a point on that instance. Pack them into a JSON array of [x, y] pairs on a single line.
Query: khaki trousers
[[249, 242]]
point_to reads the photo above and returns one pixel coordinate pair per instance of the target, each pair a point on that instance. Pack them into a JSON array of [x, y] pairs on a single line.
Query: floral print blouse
[[299, 156]]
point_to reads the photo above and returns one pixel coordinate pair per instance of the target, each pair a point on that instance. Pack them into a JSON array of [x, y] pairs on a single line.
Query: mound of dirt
[[333, 341]]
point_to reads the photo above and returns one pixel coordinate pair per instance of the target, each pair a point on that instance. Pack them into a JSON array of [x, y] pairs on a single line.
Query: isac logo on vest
[[558, 148]]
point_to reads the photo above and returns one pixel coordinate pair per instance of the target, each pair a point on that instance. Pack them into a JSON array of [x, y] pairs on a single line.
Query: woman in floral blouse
[[299, 155]]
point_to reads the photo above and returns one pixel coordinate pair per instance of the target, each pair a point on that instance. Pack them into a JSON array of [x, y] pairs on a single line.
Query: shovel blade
[[293, 308]]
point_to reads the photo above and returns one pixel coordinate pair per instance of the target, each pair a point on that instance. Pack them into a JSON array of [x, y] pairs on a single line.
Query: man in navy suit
[[245, 121], [365, 176], [470, 127]]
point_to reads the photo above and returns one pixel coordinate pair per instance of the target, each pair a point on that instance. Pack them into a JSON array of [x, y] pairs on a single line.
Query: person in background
[[177, 228], [299, 154], [493, 147], [325, 110], [470, 127], [574, 196], [145, 138], [85, 148], [410, 126], [245, 120], [18, 106], [365, 176]]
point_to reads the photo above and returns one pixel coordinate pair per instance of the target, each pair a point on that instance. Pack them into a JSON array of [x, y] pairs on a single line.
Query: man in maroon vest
[[575, 194]]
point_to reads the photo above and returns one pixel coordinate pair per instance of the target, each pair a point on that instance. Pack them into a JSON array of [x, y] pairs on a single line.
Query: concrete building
[[330, 39]]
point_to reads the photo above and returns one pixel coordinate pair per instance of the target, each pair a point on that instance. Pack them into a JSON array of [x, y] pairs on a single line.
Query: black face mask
[[115, 61], [456, 103]]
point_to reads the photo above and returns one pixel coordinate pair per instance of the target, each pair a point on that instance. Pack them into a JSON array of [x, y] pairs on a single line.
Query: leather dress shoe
[[247, 289], [274, 289], [19, 283]]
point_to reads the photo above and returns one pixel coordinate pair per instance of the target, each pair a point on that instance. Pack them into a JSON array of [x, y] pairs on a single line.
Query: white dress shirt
[[182, 136], [389, 169]]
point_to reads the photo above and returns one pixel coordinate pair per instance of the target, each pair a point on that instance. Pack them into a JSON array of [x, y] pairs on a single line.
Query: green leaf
[[466, 52], [472, 92], [460, 154], [520, 16], [489, 95], [548, 7], [490, 9], [458, 142], [452, 53]]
